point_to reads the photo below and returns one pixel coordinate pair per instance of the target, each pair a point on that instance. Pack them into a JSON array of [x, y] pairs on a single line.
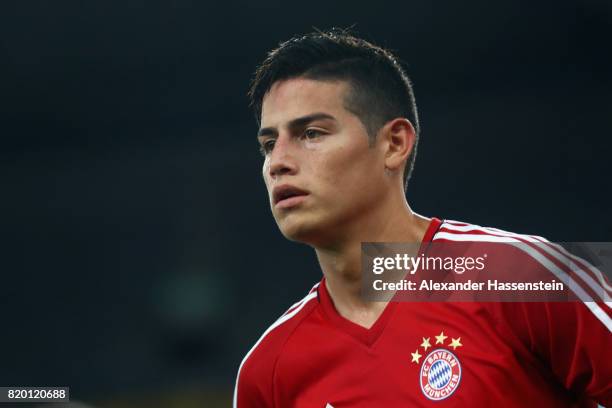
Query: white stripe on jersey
[[555, 250], [584, 264], [511, 239], [300, 301], [288, 315], [601, 289], [473, 237]]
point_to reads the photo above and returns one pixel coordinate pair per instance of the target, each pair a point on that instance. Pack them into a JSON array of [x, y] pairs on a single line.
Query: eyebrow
[[296, 123]]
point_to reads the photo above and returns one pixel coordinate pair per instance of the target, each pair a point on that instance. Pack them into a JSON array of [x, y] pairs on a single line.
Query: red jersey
[[433, 354]]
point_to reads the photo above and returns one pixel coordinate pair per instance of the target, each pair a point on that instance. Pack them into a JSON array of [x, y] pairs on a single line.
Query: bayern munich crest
[[440, 372]]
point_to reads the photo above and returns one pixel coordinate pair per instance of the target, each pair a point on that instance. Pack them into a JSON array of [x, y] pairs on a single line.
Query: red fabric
[[510, 355]]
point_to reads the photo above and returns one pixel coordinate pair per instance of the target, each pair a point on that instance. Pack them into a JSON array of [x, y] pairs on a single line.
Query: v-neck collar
[[367, 336]]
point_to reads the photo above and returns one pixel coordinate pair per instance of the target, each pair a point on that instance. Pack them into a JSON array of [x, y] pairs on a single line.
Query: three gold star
[[426, 344]]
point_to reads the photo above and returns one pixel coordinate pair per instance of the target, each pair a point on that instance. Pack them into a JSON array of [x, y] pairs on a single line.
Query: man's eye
[[267, 146], [312, 133]]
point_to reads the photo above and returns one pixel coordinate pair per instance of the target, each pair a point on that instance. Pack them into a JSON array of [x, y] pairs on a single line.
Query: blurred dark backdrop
[[139, 258]]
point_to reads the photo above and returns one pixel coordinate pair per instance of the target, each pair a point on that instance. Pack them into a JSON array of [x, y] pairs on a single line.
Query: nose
[[282, 158]]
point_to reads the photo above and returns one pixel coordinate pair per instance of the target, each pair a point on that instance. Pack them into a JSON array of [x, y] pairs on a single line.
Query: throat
[[364, 317], [350, 306]]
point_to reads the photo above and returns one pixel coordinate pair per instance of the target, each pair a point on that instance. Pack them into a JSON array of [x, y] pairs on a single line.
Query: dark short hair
[[380, 90]]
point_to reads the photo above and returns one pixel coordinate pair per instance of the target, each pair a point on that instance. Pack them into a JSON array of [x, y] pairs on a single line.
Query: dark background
[[140, 261]]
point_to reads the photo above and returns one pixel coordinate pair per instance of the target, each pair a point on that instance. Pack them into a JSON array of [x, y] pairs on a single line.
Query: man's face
[[320, 172]]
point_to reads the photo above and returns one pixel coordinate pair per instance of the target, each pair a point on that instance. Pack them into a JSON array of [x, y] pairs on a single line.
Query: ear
[[399, 138]]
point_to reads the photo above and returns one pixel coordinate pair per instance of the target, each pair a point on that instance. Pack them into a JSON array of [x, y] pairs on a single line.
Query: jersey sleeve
[[254, 383], [573, 339]]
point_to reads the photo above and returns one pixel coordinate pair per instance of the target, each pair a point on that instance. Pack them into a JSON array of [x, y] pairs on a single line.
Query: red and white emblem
[[440, 374]]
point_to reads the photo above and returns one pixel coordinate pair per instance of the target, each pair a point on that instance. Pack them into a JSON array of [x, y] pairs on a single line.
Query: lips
[[287, 194]]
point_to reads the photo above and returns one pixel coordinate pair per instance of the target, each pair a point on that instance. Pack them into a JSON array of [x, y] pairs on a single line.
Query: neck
[[341, 264]]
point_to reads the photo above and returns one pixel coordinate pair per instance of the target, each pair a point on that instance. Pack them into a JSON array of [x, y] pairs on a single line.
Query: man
[[339, 131]]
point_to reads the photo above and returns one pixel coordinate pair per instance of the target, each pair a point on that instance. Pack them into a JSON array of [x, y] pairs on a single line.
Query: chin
[[295, 233], [299, 230], [313, 232]]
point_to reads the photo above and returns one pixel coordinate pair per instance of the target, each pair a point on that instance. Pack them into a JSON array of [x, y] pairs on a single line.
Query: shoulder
[[533, 254], [504, 250], [451, 230], [254, 379], [521, 255]]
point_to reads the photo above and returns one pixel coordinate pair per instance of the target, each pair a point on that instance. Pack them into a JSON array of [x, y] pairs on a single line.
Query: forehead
[[300, 96]]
